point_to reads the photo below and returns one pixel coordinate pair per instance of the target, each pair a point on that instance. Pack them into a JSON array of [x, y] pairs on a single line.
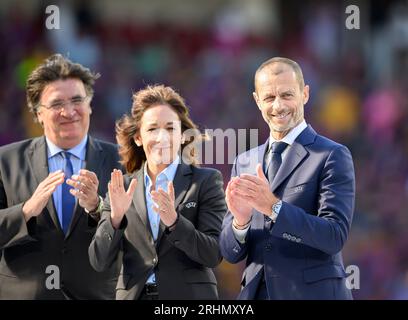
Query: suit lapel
[[294, 157], [37, 159], [181, 182], [94, 160], [296, 153], [139, 200], [261, 157]]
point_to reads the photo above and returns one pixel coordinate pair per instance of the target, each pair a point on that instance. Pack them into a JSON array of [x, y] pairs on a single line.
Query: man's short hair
[[56, 67], [294, 65]]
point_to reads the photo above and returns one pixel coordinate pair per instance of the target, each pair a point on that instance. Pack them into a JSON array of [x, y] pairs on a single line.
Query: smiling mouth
[[69, 122], [281, 115]]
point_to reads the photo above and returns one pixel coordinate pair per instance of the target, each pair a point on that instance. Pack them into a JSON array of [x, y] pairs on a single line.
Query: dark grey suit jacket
[[182, 260], [28, 248], [300, 256]]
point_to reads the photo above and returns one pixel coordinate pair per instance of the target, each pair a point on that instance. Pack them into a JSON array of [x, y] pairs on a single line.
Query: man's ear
[[305, 94], [90, 108], [39, 118], [256, 98]]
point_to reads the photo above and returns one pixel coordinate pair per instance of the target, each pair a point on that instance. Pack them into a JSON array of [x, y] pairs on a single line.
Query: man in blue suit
[[290, 200]]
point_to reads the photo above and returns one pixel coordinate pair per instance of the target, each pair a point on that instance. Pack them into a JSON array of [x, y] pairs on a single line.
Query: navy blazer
[[300, 256]]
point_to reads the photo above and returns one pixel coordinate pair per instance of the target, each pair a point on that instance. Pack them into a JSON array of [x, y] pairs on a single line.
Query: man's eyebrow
[[76, 96], [60, 99], [286, 91], [268, 95], [56, 100]]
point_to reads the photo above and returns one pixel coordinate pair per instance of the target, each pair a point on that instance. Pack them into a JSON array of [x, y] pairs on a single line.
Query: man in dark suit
[[49, 192], [292, 221]]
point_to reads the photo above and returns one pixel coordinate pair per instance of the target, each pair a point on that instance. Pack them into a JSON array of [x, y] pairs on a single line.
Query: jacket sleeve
[[327, 230], [107, 240], [14, 230], [231, 249], [200, 242]]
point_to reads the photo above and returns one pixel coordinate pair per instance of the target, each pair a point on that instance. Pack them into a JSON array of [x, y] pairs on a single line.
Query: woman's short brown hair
[[132, 156], [56, 67]]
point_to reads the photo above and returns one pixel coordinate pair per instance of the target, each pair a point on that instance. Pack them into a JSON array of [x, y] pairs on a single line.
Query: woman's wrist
[[116, 220], [173, 225]]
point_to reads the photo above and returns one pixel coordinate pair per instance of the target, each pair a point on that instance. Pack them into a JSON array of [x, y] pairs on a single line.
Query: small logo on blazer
[[191, 204], [298, 189]]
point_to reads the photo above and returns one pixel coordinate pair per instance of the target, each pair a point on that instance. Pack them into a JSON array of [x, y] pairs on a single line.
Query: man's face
[[280, 98], [64, 113]]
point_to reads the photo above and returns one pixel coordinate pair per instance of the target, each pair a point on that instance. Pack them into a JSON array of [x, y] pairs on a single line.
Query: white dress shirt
[[240, 235]]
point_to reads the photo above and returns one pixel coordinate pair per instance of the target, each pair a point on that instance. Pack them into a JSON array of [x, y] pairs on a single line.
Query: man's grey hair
[[294, 65]]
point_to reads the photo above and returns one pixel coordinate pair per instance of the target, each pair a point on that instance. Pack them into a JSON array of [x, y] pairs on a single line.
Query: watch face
[[277, 207]]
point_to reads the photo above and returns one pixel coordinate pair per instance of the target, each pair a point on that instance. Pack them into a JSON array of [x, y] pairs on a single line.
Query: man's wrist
[[98, 208], [241, 226], [275, 209]]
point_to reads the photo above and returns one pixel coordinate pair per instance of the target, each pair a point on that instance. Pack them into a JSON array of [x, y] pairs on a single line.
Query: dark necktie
[[68, 200], [275, 161]]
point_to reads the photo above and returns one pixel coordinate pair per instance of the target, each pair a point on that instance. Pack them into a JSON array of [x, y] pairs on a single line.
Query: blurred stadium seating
[[209, 51]]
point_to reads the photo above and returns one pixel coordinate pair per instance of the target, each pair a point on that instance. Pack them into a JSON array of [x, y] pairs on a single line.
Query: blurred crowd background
[[209, 51]]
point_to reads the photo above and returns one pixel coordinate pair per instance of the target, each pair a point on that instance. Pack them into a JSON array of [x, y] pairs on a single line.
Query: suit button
[[177, 242], [268, 247], [154, 261], [64, 250]]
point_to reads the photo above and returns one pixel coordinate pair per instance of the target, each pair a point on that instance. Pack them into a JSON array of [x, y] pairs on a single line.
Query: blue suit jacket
[[301, 254]]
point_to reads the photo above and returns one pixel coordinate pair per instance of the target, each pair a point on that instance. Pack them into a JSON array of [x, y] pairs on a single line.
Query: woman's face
[[160, 135]]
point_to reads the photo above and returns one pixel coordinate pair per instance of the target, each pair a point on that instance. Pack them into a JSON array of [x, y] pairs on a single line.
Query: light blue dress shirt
[[56, 162], [161, 181]]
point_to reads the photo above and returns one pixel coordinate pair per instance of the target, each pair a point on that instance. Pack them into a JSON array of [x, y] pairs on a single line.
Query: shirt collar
[[78, 151], [292, 134], [169, 172]]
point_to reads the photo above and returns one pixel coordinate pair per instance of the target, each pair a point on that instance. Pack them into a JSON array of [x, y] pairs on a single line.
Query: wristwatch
[[276, 207], [98, 209]]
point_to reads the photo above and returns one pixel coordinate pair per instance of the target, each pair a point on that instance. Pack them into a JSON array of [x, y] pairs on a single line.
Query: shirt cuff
[[240, 235]]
